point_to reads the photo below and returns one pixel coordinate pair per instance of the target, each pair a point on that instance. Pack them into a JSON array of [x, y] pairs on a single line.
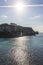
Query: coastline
[[13, 30]]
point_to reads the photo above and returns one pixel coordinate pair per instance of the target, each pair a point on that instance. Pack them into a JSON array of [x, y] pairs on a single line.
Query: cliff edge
[[14, 30]]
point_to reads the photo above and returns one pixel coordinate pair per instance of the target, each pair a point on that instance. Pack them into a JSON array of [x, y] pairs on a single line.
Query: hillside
[[14, 30]]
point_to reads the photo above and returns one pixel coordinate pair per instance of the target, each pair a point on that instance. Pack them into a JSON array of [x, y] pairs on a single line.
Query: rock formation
[[14, 30]]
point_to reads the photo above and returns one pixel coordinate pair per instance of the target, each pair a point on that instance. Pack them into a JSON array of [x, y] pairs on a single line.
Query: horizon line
[[32, 5]]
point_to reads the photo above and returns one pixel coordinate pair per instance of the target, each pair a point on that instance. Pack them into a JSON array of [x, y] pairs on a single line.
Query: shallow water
[[22, 50]]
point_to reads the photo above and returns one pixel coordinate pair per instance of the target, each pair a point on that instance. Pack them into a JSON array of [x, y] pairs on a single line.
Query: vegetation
[[14, 30]]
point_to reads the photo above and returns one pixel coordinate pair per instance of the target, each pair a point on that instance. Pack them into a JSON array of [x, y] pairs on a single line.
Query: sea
[[25, 50]]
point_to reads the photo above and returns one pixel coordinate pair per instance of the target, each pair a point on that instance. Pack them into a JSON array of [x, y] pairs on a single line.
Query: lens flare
[[19, 6]]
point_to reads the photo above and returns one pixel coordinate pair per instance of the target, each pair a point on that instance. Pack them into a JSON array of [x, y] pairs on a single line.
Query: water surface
[[22, 50]]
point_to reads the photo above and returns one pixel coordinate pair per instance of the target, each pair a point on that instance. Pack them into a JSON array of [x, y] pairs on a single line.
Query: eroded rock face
[[13, 30]]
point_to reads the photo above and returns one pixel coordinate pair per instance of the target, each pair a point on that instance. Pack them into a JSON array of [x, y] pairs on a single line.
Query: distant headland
[[13, 30]]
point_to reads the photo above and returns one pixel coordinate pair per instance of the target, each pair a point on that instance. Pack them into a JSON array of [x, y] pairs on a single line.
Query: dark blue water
[[22, 50]]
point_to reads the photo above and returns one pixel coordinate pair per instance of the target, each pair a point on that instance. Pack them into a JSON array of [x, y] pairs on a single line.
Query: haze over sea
[[27, 50]]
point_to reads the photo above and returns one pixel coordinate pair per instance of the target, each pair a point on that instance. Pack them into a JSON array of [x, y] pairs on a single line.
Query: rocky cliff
[[14, 30]]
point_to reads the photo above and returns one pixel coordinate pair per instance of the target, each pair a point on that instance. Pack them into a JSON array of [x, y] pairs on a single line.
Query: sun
[[19, 6]]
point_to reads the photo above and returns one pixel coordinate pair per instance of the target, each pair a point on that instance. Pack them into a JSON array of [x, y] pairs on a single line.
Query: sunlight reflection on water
[[19, 51]]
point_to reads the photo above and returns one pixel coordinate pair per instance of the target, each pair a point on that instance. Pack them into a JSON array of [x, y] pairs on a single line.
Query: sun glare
[[19, 6]]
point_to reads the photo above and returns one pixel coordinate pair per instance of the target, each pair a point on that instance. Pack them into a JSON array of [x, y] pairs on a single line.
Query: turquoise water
[[22, 50]]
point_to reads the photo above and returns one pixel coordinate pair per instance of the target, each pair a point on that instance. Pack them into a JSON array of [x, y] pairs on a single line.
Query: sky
[[31, 16]]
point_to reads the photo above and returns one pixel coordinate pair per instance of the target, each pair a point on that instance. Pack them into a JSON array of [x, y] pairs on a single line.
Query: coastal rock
[[14, 30]]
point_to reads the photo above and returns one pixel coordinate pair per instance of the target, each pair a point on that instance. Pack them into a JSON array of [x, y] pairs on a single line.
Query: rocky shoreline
[[13, 30]]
